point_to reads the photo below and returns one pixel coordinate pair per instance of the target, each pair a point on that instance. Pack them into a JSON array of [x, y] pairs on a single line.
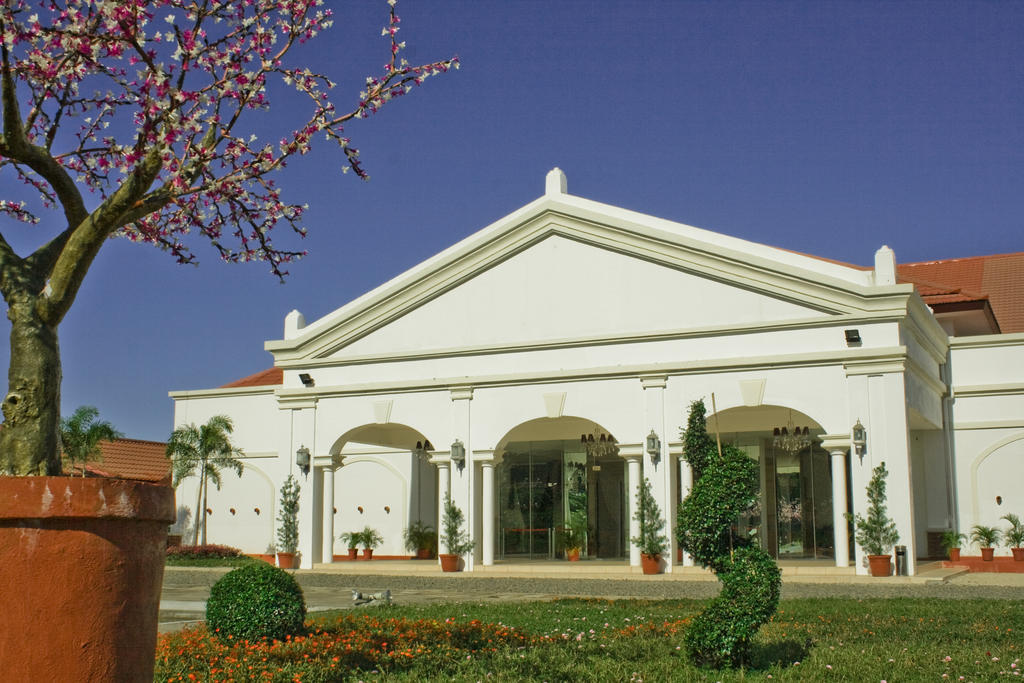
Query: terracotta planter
[[987, 554], [954, 554], [449, 563], [573, 555], [269, 559], [286, 560], [83, 566], [880, 565], [651, 564], [1018, 554], [367, 553], [424, 554], [353, 553]]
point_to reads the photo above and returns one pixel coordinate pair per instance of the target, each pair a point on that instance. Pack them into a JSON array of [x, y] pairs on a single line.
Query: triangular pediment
[[564, 268]]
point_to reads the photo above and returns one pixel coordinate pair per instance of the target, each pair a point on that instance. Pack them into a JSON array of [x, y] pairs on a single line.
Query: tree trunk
[[29, 441], [199, 502], [206, 500]]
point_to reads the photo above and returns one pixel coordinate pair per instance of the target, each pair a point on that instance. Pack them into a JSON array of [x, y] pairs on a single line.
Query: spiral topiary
[[723, 488], [254, 602]]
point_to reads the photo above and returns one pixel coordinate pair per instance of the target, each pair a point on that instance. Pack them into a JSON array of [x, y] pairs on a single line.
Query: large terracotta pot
[[449, 563], [572, 554], [880, 565], [1018, 554], [83, 564], [353, 553], [651, 564], [424, 554], [987, 554], [954, 554], [367, 553], [286, 560]]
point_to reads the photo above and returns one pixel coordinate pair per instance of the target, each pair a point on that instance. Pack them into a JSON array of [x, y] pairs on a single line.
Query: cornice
[[838, 321], [987, 341], [860, 360], [267, 390]]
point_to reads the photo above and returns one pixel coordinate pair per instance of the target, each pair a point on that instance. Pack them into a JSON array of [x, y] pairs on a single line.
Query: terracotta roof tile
[[131, 459], [999, 278], [268, 377]]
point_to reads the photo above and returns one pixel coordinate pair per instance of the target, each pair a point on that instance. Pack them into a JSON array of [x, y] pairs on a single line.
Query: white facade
[[571, 317]]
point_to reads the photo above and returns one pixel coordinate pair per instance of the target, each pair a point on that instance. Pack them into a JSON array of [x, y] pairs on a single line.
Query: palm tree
[[207, 448], [81, 434]]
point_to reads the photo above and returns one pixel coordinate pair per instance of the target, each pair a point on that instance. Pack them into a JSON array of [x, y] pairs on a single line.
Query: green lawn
[[623, 640]]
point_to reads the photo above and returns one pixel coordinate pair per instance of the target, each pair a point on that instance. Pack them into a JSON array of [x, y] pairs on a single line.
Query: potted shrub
[[351, 540], [1014, 536], [876, 533], [951, 541], [288, 524], [421, 539], [652, 541], [369, 538], [572, 536], [456, 542], [987, 538]]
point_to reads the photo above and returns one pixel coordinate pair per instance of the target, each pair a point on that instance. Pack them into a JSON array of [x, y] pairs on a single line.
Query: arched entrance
[[793, 517], [548, 480], [385, 482]]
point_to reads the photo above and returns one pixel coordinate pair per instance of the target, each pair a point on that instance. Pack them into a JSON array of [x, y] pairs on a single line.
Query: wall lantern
[[302, 459], [256, 510], [654, 447], [387, 509], [459, 454], [852, 337], [306, 379], [860, 438]]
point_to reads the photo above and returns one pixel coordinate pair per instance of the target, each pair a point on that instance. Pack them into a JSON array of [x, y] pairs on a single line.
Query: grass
[[622, 640]]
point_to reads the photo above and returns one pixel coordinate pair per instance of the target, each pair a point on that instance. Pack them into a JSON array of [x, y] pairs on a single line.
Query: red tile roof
[[998, 278], [130, 459], [268, 377]]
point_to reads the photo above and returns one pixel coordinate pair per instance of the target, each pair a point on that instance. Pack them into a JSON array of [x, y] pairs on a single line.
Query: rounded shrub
[[256, 601]]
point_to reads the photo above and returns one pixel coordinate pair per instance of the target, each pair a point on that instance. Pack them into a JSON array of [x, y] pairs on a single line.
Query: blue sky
[[825, 127]]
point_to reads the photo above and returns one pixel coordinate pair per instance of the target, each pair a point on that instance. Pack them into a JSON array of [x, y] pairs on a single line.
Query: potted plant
[[652, 541], [369, 538], [876, 533], [987, 538], [572, 536], [352, 539], [456, 542], [288, 524], [951, 541], [83, 557], [421, 539], [1014, 536]]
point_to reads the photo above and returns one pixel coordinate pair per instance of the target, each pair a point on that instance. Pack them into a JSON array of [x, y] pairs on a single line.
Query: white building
[[569, 317]]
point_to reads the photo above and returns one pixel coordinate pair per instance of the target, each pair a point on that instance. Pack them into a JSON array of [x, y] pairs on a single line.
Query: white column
[[463, 491], [487, 467], [633, 465], [328, 524], [443, 483], [838, 445], [658, 468], [839, 525], [685, 486]]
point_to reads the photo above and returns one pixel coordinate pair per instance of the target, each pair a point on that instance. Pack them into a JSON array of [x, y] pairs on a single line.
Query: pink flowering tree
[[132, 119]]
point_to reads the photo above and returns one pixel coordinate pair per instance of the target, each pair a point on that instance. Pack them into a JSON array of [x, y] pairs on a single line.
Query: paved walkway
[[185, 590]]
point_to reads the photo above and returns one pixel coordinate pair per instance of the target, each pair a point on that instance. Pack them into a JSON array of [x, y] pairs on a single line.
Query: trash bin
[[901, 560]]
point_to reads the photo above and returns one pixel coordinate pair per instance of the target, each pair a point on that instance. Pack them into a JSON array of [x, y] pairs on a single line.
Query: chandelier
[[603, 445], [790, 438]]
